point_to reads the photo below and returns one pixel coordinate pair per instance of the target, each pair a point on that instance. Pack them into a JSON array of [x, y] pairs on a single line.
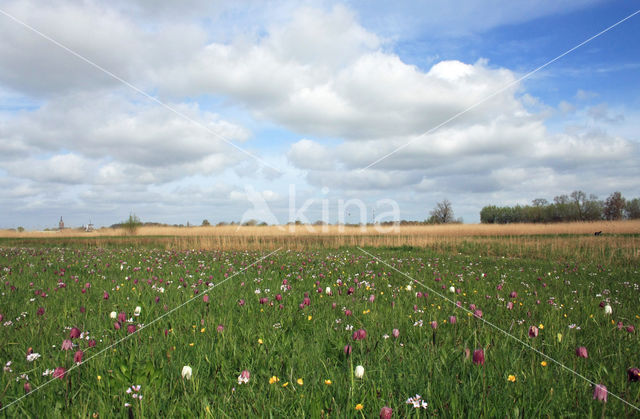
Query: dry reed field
[[620, 240]]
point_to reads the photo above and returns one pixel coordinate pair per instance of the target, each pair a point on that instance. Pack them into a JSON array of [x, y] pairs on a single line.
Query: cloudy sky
[[230, 110]]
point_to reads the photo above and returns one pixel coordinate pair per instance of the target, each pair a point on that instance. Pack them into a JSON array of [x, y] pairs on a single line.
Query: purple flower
[[631, 329], [477, 313], [77, 357], [533, 332], [205, 298], [75, 333], [453, 320], [600, 393], [513, 294], [347, 349], [478, 357], [66, 345], [581, 352], [434, 325], [220, 328], [105, 295], [386, 413], [131, 328], [59, 372], [633, 374], [395, 333], [116, 325], [359, 334]]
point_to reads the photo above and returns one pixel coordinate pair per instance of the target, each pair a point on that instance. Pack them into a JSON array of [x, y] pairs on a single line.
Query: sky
[[343, 111]]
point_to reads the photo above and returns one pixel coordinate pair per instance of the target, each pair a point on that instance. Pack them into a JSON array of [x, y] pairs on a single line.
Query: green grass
[[308, 343]]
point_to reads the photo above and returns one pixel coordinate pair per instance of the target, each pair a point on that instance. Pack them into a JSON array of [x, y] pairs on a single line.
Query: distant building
[[61, 224], [89, 228]]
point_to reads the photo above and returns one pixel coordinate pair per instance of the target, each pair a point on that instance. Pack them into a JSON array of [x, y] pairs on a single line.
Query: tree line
[[574, 207]]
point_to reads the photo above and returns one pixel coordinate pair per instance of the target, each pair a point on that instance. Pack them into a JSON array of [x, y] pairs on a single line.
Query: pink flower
[[205, 298], [510, 305], [472, 307], [347, 349], [116, 325], [600, 393], [75, 333], [244, 377], [631, 329], [220, 328], [92, 343], [513, 294], [59, 372], [581, 352], [40, 312], [386, 413], [66, 345], [240, 302], [77, 357], [372, 298], [122, 317], [477, 313], [359, 334], [27, 387], [278, 297], [105, 295], [333, 305], [434, 325], [131, 328], [478, 357], [395, 333], [453, 320], [350, 291], [533, 332], [633, 374]]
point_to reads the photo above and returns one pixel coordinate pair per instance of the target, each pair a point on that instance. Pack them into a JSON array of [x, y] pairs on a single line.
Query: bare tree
[[442, 213]]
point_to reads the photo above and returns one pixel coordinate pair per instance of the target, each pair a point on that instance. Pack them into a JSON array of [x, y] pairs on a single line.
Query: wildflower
[[453, 320], [75, 332], [434, 325], [631, 328], [607, 310], [260, 342], [241, 302], [559, 336], [27, 387], [359, 334], [510, 305], [395, 333], [386, 413], [541, 326], [187, 372], [581, 352], [478, 357], [113, 315], [122, 317], [327, 382], [33, 356], [543, 363], [600, 393], [513, 294], [220, 328], [205, 298], [359, 371], [105, 295], [137, 311], [40, 312], [633, 374], [300, 381], [131, 328], [452, 289], [533, 332], [99, 377], [417, 402], [511, 378], [77, 357], [59, 372], [273, 379], [359, 406], [309, 317], [66, 345], [116, 325], [244, 377], [477, 313]]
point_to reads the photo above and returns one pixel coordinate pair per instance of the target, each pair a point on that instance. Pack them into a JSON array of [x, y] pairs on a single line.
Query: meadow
[[322, 328]]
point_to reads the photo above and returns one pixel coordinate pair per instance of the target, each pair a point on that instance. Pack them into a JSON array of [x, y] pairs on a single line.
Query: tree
[[132, 224], [613, 207], [205, 223], [442, 213], [632, 209]]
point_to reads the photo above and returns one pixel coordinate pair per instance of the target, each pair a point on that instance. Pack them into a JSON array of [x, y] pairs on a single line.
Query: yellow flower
[[285, 384], [543, 363], [99, 378], [259, 341], [191, 344], [512, 378], [299, 381], [310, 317], [273, 379], [202, 330], [541, 326], [359, 406], [327, 382]]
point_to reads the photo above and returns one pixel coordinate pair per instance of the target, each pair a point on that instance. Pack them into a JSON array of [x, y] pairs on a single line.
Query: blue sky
[[317, 91]]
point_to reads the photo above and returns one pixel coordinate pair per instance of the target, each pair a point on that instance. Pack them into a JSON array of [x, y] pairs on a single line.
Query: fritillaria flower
[[66, 345], [453, 319], [359, 334], [137, 311], [478, 357], [633, 374], [607, 310], [220, 328], [533, 332], [359, 371], [581, 352], [600, 393], [59, 372], [386, 413], [122, 317], [131, 328], [113, 315], [244, 377], [187, 372], [347, 349], [77, 357], [75, 333], [395, 333]]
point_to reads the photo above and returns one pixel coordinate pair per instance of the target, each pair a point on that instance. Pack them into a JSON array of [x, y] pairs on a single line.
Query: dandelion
[[359, 406], [260, 342], [511, 378], [300, 381], [359, 371], [187, 372], [559, 337], [543, 363], [273, 380], [327, 382]]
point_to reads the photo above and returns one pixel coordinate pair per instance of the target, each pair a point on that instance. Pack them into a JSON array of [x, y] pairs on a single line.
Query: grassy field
[[425, 306]]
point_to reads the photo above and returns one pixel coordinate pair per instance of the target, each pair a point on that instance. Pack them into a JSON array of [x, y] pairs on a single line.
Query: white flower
[[33, 356], [607, 309], [327, 290], [113, 314], [186, 372], [137, 311], [359, 372], [408, 288], [452, 289]]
